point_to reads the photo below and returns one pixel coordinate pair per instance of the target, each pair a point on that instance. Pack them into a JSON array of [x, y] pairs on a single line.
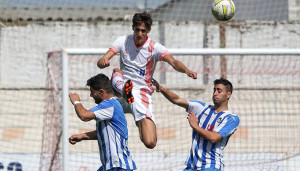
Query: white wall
[[23, 48]]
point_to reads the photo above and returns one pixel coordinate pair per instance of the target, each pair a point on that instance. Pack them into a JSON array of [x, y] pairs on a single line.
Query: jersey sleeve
[[228, 125], [103, 112], [196, 107], [160, 52], [116, 46]]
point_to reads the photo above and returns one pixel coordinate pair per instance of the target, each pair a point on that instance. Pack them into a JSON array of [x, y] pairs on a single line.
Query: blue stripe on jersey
[[124, 156], [203, 155], [213, 148], [196, 157], [110, 159], [213, 156], [121, 140], [234, 120], [112, 138], [203, 112], [102, 145], [210, 154], [191, 159], [205, 141], [118, 121]]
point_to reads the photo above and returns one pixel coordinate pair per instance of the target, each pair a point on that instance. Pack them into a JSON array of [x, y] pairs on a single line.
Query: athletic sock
[[118, 82]]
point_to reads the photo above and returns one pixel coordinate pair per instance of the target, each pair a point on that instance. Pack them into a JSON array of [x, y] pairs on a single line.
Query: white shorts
[[142, 106]]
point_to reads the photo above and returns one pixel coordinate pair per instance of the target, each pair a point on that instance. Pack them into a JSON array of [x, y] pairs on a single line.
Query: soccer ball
[[223, 10]]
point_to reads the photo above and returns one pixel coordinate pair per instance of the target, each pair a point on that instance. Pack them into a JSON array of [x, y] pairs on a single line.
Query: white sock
[[118, 82]]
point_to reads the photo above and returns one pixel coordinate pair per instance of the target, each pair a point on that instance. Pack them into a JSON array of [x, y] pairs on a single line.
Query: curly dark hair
[[140, 18]]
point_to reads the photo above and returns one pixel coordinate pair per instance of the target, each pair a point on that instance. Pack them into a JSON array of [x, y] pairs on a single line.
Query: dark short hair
[[140, 18], [226, 83], [100, 81]]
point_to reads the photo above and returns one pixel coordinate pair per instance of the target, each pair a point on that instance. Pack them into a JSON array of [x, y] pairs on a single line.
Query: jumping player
[[138, 57]]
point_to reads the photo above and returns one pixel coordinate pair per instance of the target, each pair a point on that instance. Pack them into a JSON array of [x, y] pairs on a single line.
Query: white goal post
[[66, 52]]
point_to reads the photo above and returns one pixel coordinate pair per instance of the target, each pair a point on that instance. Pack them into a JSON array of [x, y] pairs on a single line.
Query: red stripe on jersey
[[151, 46], [163, 55], [145, 101], [149, 69], [149, 66], [113, 49]]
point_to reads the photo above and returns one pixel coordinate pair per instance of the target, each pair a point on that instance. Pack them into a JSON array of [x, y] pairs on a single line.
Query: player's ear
[[228, 95], [133, 27], [102, 91]]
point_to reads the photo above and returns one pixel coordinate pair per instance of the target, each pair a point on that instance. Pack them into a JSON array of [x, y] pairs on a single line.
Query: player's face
[[220, 94], [95, 94], [140, 34]]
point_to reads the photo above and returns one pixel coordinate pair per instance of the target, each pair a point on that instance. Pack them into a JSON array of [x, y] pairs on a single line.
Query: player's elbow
[[174, 102], [215, 139], [84, 118], [150, 145]]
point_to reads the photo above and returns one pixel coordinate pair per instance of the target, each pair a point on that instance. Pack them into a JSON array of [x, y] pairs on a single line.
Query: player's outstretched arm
[[172, 97], [104, 61], [82, 113], [179, 66], [84, 136], [211, 136]]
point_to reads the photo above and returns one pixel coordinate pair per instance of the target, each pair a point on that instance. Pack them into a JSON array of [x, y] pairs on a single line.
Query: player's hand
[[75, 138], [192, 74], [156, 84], [193, 120], [74, 97], [103, 63]]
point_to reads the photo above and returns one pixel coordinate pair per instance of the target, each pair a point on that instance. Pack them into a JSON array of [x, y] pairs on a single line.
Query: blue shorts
[[113, 169], [207, 169]]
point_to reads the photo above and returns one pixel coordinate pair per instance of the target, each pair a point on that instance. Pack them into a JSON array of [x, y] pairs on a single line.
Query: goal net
[[266, 98], [266, 86]]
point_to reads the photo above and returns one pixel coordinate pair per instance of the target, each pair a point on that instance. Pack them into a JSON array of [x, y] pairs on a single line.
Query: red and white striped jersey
[[138, 63]]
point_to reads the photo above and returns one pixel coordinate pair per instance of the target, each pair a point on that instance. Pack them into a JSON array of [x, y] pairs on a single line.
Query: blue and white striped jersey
[[112, 135], [204, 154]]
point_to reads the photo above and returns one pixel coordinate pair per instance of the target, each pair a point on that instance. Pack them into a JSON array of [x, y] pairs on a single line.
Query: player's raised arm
[[179, 66], [82, 113], [172, 97], [104, 61]]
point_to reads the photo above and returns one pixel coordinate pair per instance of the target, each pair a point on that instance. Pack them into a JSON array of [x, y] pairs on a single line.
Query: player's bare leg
[[147, 128], [147, 131]]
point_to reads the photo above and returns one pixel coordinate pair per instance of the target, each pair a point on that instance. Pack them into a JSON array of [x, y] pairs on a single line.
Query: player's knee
[[150, 143], [117, 70]]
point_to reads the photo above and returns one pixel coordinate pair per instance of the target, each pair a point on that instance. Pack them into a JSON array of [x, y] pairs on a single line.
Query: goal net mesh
[[266, 87], [265, 96]]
